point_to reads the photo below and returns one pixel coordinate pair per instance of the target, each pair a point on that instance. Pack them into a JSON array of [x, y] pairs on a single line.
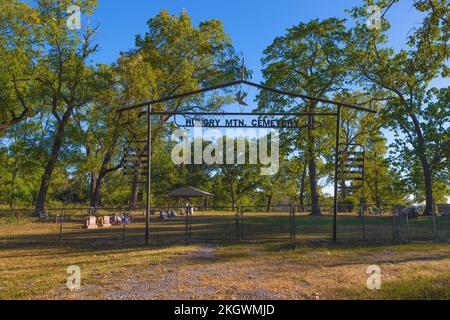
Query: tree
[[436, 133], [298, 172], [65, 77], [309, 59], [279, 186], [238, 181], [20, 158], [402, 79], [175, 56], [104, 131], [18, 63], [184, 57], [234, 182], [382, 183]]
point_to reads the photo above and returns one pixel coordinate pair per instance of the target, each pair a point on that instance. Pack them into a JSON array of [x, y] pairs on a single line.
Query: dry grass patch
[[33, 266]]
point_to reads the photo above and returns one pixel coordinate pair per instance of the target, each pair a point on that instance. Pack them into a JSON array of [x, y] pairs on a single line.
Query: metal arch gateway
[[149, 112]]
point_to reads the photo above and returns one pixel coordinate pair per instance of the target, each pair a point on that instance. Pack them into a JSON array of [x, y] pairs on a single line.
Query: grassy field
[[33, 264]]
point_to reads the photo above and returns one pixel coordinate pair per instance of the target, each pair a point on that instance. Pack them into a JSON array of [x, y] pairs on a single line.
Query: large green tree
[[64, 74], [403, 79], [309, 59], [437, 135], [173, 56]]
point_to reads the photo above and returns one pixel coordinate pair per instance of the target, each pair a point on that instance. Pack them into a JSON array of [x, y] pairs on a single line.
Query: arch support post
[[336, 173], [149, 173]]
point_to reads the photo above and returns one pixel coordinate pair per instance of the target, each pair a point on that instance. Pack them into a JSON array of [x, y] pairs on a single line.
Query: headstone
[[115, 219], [106, 222], [444, 210], [403, 211], [43, 215], [91, 223]]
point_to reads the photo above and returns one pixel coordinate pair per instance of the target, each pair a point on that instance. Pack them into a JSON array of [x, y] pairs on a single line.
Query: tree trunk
[[233, 204], [92, 184], [232, 199], [315, 208], [56, 148], [426, 168], [312, 169], [301, 199], [269, 202], [428, 186], [378, 202], [104, 170], [13, 184], [95, 201], [134, 191], [302, 189]]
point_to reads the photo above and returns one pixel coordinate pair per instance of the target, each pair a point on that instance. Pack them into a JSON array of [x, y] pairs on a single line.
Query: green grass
[[424, 288], [33, 264]]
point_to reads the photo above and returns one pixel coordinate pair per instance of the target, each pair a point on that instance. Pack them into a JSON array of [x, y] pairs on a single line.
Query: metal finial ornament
[[240, 96]]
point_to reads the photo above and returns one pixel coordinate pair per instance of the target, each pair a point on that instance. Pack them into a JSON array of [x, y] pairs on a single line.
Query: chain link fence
[[259, 223], [366, 223]]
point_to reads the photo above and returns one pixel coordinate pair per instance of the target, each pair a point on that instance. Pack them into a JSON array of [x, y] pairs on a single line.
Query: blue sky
[[251, 24]]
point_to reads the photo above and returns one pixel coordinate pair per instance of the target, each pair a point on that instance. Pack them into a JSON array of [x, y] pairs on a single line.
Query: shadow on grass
[[272, 231]]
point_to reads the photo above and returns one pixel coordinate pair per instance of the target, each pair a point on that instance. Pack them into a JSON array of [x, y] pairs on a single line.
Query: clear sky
[[251, 24]]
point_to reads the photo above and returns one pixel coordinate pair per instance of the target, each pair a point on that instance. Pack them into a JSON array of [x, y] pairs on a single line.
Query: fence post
[[294, 226], [61, 226], [190, 226], [241, 223], [394, 225], [291, 222], [433, 213], [363, 217], [187, 231], [238, 223], [407, 226], [125, 216], [17, 216]]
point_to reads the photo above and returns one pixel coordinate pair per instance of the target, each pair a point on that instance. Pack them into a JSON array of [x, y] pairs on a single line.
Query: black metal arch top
[[150, 112], [249, 83]]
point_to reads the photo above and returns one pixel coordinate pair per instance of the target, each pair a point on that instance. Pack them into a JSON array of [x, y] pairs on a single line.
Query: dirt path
[[202, 274], [194, 276]]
